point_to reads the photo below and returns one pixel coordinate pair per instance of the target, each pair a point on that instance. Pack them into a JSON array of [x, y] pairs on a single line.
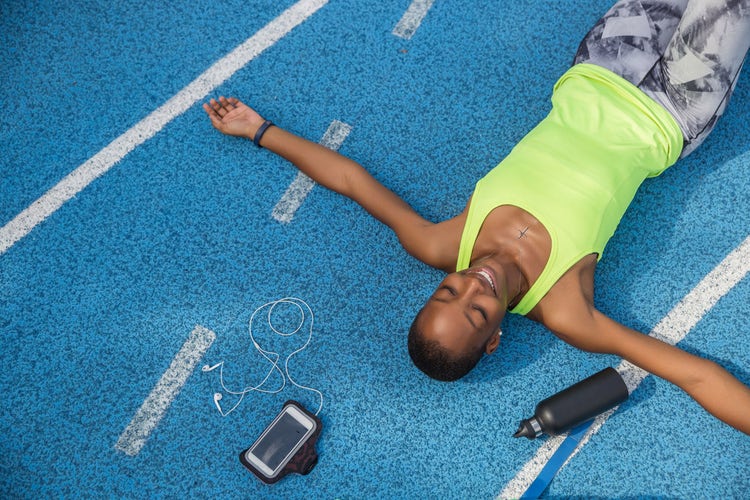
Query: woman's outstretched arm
[[713, 387], [334, 171]]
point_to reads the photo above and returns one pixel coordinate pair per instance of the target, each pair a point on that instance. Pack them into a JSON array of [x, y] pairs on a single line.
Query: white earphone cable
[[299, 303]]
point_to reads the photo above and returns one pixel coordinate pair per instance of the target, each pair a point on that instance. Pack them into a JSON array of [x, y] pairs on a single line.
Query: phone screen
[[280, 440]]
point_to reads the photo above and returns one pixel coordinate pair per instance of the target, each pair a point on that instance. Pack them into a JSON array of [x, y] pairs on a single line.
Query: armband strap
[[261, 130]]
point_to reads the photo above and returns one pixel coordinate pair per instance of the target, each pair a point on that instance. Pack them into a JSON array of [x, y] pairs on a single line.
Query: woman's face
[[465, 311]]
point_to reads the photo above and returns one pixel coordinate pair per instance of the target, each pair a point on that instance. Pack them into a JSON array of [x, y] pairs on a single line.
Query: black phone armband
[[286, 445]]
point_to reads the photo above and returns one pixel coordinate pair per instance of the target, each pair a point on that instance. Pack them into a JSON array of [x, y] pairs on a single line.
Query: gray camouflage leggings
[[684, 54]]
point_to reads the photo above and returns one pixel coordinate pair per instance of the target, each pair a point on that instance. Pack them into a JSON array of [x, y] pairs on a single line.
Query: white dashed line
[[157, 403], [412, 18]]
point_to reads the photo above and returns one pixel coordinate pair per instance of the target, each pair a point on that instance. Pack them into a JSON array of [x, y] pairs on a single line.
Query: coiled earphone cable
[[302, 306]]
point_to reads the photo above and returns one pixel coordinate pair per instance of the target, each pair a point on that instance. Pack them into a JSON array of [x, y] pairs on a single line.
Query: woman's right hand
[[232, 117]]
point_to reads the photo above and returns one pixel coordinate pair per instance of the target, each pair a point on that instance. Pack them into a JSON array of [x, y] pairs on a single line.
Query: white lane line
[[412, 18], [197, 90], [671, 329], [300, 187], [135, 435]]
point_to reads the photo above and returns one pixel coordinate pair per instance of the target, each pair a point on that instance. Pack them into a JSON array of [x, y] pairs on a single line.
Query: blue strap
[[555, 462], [261, 130]]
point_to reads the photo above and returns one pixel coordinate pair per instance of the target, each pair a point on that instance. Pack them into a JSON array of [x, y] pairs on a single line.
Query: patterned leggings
[[684, 54]]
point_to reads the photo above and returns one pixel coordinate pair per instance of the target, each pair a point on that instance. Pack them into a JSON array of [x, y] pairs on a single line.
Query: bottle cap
[[529, 428]]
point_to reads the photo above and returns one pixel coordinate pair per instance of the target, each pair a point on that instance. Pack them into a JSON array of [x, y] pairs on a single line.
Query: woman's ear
[[492, 344]]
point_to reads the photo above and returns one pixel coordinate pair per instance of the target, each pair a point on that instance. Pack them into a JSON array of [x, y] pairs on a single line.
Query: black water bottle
[[576, 404]]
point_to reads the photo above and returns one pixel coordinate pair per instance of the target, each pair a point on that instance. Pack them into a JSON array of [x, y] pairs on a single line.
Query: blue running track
[[175, 235]]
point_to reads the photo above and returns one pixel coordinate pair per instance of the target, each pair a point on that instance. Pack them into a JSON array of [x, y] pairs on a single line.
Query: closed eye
[[481, 311], [450, 289]]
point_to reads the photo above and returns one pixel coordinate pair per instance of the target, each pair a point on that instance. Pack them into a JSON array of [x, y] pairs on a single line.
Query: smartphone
[[291, 430]]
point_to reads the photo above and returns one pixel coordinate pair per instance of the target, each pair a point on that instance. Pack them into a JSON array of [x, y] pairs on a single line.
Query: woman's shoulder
[[570, 297], [442, 241]]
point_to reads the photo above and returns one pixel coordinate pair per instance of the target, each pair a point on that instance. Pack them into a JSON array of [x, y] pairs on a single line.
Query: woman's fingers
[[231, 116], [226, 106], [213, 107], [215, 120], [218, 107], [210, 109], [222, 106]]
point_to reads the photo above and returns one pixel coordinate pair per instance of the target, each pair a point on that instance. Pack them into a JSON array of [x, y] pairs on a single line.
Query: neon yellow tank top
[[578, 170]]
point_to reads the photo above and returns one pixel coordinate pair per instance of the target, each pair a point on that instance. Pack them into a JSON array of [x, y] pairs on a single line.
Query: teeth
[[487, 277]]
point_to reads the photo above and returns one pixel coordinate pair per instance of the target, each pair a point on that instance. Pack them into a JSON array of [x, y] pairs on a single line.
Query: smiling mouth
[[487, 275]]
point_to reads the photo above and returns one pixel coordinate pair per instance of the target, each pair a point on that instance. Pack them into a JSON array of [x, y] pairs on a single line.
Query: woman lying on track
[[647, 86]]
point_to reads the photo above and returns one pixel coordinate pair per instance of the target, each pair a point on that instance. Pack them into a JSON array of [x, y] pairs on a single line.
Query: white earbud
[[217, 398], [207, 368]]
